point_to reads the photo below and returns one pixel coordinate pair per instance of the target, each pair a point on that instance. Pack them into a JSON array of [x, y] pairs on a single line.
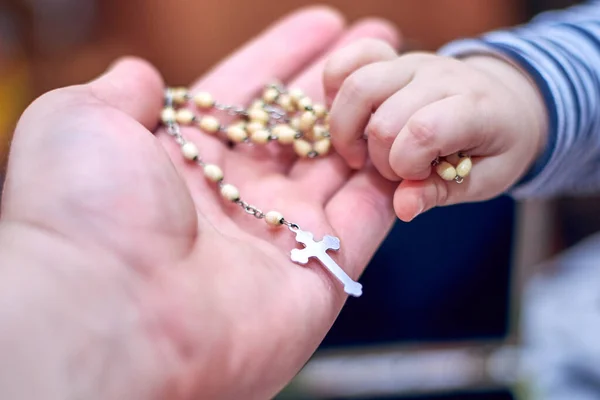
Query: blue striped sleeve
[[560, 51]]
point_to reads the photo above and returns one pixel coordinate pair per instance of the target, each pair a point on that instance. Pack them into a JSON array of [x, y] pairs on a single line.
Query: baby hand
[[417, 107]]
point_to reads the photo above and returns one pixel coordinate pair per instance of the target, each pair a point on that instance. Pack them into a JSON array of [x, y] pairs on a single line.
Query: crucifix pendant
[[318, 250]]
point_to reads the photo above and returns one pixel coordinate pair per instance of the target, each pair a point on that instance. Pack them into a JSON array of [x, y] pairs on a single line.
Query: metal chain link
[[250, 209]]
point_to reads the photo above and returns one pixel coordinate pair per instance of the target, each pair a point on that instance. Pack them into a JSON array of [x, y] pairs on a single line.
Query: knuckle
[[355, 85], [421, 131], [382, 130]]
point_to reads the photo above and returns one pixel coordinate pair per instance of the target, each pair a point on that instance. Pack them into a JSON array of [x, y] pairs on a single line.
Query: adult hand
[[133, 278]]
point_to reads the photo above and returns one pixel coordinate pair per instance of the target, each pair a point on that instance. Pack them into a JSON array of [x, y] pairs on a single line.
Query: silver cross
[[319, 250]]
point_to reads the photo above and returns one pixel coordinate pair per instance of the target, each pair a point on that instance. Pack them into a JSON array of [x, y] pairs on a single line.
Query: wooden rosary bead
[[446, 171], [295, 123], [296, 95], [168, 115], [284, 133], [322, 146], [190, 151], [258, 115], [260, 136], [185, 116], [464, 167], [209, 124], [270, 95], [285, 101], [307, 120], [213, 173], [305, 103], [274, 218], [255, 126], [204, 100], [239, 124], [319, 132], [319, 110], [236, 133], [179, 95], [230, 192], [302, 147]]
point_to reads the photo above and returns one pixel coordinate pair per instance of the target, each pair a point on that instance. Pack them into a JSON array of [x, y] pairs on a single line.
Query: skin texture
[[418, 106], [125, 275]]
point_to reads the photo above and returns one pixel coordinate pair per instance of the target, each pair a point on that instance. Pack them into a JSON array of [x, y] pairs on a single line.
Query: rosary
[[289, 118]]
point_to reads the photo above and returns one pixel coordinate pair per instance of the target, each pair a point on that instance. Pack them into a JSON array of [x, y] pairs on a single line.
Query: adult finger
[[132, 86], [361, 213]]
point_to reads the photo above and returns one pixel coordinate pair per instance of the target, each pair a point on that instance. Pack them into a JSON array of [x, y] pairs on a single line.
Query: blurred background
[[441, 318]]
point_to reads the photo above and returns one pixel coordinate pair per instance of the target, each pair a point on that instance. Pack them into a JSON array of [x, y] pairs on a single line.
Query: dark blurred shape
[[443, 276]]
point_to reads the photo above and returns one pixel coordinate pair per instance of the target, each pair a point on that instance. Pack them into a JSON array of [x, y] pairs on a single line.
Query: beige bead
[[307, 120], [236, 133], [260, 136], [274, 218], [168, 115], [257, 104], [179, 95], [209, 124], [295, 123], [204, 100], [464, 167], [213, 172], [285, 134], [319, 110], [258, 115], [255, 126], [230, 192], [304, 103], [270, 95], [446, 171], [302, 147], [285, 102], [185, 116], [239, 124], [322, 146], [190, 151], [319, 132], [296, 94]]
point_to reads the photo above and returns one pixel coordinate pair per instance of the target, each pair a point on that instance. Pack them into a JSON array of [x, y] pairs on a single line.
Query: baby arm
[[525, 104]]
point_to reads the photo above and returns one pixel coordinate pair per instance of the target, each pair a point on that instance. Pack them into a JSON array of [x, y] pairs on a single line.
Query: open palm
[[227, 313]]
